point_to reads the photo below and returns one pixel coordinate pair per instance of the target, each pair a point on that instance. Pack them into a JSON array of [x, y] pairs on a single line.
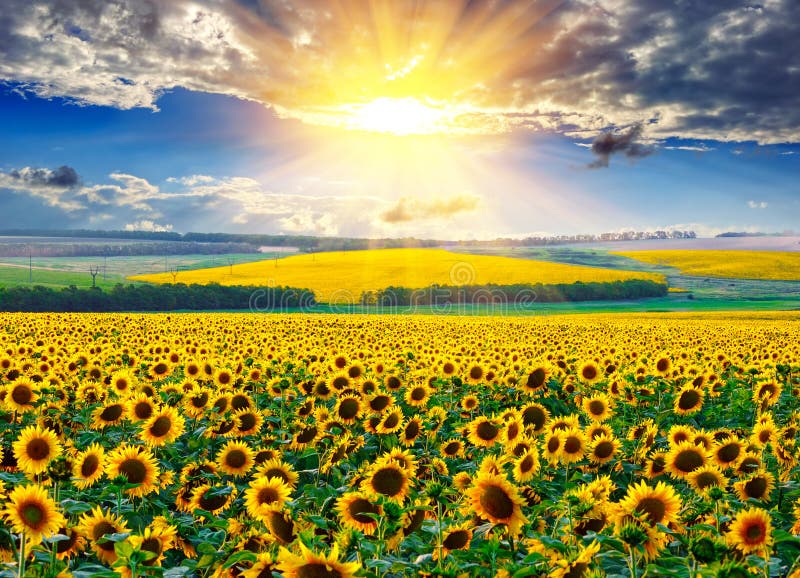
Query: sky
[[447, 119]]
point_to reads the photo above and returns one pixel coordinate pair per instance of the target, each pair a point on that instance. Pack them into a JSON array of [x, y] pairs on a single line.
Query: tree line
[[518, 294], [153, 298]]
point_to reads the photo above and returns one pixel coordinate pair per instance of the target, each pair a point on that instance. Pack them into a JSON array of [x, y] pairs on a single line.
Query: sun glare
[[400, 116]]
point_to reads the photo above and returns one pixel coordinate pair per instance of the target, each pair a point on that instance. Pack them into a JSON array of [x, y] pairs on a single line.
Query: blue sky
[[214, 147]]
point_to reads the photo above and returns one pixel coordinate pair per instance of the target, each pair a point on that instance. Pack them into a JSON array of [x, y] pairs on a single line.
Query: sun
[[398, 116]]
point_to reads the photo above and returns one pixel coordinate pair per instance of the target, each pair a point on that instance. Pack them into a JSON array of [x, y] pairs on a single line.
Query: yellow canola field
[[775, 265], [343, 276]]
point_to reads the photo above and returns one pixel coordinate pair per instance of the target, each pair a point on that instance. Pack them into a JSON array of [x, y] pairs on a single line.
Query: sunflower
[[31, 511], [688, 400], [262, 568], [196, 401], [483, 432], [281, 525], [475, 373], [356, 511], [211, 498], [455, 538], [536, 380], [163, 427], [308, 564], [597, 407], [140, 408], [750, 531], [553, 444], [96, 524], [573, 446], [108, 415], [156, 539], [137, 465], [590, 372], [235, 458], [248, 422], [494, 498], [526, 466], [277, 468], [452, 448], [659, 505], [305, 437], [391, 422], [348, 409], [576, 565], [758, 486], [709, 476], [418, 395], [469, 402], [684, 458], [764, 433], [88, 466], [387, 479], [21, 395], [123, 382], [74, 543], [35, 448], [264, 495], [412, 429], [602, 448]]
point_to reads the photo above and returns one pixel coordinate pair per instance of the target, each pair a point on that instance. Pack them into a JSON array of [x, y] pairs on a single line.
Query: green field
[[59, 272]]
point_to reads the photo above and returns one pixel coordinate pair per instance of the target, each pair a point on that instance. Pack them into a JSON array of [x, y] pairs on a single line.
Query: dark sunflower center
[[151, 545], [340, 382], [754, 533], [597, 407], [603, 450], [688, 399], [589, 372], [662, 365], [22, 395], [112, 412], [526, 464], [388, 481], [756, 487], [134, 469], [281, 527], [160, 368], [276, 473], [161, 426], [418, 393], [412, 430], [348, 409], [89, 465], [553, 443], [32, 515], [37, 449], [572, 445], [200, 400], [729, 452], [379, 403], [393, 382], [534, 416], [317, 570], [143, 410], [688, 461], [240, 402], [448, 368], [247, 421], [391, 421], [268, 496], [456, 540], [359, 508], [101, 529], [497, 503], [66, 545], [235, 458], [705, 480], [654, 508], [307, 435], [536, 378], [487, 431], [476, 372], [212, 503], [452, 448]]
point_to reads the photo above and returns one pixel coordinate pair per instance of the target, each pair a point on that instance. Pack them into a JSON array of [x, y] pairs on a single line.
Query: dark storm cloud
[[624, 143], [63, 177], [724, 70]]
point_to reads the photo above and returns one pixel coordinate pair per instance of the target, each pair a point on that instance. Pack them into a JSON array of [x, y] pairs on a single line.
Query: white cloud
[[146, 225], [757, 204]]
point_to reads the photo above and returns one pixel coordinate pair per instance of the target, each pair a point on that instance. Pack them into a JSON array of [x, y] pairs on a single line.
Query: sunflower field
[[248, 445]]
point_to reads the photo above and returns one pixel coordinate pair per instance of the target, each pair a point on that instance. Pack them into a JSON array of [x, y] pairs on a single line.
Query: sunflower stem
[[632, 561], [22, 554]]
